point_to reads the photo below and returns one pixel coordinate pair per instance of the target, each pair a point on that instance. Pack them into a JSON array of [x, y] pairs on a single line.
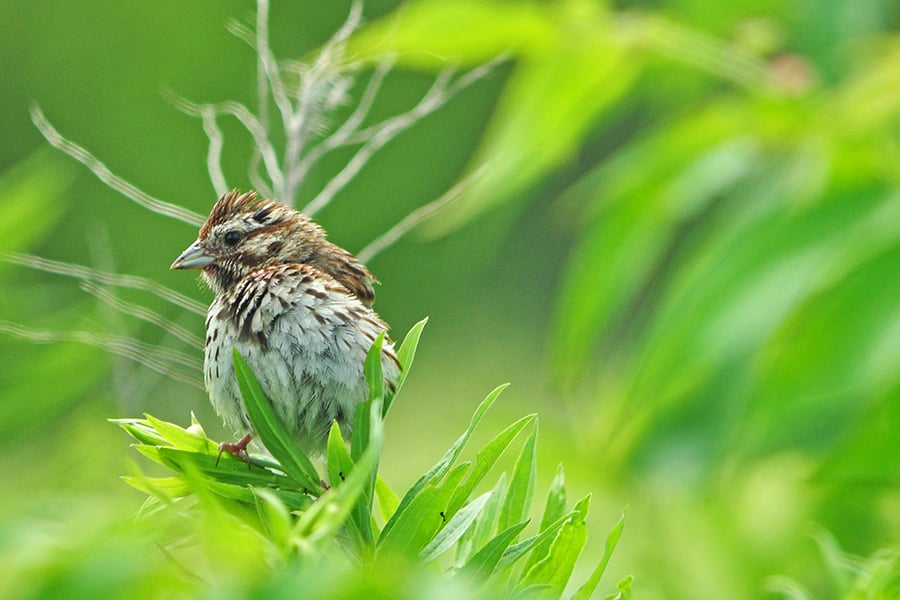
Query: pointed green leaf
[[410, 530], [141, 431], [521, 487], [271, 430], [587, 590], [160, 487], [446, 461], [486, 526], [339, 461], [483, 563], [624, 588], [274, 516], [553, 510], [485, 459], [327, 515], [453, 530], [388, 501], [180, 438], [405, 356], [555, 569], [514, 553]]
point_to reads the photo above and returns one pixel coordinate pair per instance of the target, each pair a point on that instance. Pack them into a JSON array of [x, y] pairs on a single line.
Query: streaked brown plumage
[[297, 307]]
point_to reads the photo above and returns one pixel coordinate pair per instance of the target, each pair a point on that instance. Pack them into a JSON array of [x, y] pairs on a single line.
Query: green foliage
[[300, 521]]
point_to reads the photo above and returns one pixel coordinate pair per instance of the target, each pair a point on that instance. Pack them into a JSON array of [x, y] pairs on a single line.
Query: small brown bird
[[298, 309]]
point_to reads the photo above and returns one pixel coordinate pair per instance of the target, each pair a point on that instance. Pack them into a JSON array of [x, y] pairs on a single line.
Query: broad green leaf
[[446, 461], [271, 431], [274, 516], [180, 438], [454, 529], [521, 486], [624, 588], [339, 461], [161, 487], [406, 353], [141, 431], [587, 590], [546, 536], [388, 501], [554, 508], [228, 471], [556, 568], [410, 530], [486, 526], [483, 563], [485, 459], [328, 514], [373, 370]]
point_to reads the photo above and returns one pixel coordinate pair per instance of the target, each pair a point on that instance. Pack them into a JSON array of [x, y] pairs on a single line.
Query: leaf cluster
[[444, 519]]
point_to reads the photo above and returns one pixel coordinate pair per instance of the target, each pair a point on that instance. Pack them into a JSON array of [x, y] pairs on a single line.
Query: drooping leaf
[[271, 430]]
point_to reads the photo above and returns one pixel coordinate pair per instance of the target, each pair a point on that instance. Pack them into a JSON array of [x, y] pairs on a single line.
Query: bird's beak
[[195, 257]]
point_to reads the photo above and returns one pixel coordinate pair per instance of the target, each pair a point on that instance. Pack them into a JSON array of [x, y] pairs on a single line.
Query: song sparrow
[[297, 307]]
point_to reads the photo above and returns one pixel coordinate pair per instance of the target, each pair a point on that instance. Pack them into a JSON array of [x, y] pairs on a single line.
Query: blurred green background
[[684, 255]]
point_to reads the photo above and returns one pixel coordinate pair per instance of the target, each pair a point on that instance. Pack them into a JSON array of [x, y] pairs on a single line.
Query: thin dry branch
[[161, 360], [106, 176], [145, 314], [104, 278], [377, 136], [214, 154]]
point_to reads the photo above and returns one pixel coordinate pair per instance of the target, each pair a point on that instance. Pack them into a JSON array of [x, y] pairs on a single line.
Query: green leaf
[[624, 592], [373, 370], [271, 431], [228, 471], [274, 516], [141, 431], [546, 535], [405, 356], [485, 561], [556, 568], [160, 487], [328, 514], [180, 438], [388, 501], [375, 379], [339, 461], [486, 525], [446, 461], [521, 487], [454, 530], [410, 530], [554, 508], [587, 590], [485, 459]]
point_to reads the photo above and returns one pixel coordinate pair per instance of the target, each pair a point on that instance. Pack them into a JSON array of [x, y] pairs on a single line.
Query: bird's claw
[[238, 449]]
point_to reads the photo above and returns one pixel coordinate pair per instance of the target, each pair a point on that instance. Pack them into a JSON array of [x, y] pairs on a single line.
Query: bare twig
[[348, 128], [377, 136], [158, 359], [102, 277], [250, 122], [106, 176], [145, 314], [214, 155]]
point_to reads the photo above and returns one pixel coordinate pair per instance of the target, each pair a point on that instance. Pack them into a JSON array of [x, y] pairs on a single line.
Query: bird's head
[[244, 233]]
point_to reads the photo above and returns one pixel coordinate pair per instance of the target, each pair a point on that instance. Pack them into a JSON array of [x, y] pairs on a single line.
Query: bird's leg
[[238, 448]]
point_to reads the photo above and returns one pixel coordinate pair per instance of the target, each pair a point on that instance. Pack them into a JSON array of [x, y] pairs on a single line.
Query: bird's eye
[[232, 237]]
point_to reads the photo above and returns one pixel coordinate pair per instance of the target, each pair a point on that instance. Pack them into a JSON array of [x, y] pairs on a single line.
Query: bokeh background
[[684, 254]]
